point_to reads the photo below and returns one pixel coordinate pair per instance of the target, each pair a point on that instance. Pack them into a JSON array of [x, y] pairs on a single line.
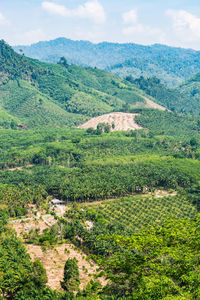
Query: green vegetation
[[71, 280], [125, 215], [133, 213], [133, 197], [184, 99], [160, 262], [190, 93], [170, 98], [37, 94], [167, 124], [17, 271], [171, 65], [78, 165]]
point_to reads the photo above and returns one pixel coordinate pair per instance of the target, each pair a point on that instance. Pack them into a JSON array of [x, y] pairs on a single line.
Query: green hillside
[[171, 65], [130, 198], [119, 182], [183, 99], [190, 92], [40, 94], [152, 86], [114, 181]]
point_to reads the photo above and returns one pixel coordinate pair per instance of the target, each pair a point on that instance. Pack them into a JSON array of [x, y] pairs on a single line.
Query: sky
[[170, 22]]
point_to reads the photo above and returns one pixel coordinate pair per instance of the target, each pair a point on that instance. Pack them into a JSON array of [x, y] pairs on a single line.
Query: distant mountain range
[[38, 94], [171, 65]]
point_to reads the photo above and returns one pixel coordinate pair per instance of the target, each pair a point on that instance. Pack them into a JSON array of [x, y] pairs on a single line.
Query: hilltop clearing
[[121, 121], [35, 94]]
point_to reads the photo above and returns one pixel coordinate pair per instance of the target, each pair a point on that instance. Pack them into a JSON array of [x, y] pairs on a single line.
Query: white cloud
[[95, 35], [91, 10], [185, 24], [139, 32], [130, 17], [3, 20], [56, 9], [144, 34], [30, 37]]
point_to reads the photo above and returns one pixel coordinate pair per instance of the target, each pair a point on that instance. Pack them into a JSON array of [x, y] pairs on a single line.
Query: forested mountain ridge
[[44, 94], [171, 65], [190, 90]]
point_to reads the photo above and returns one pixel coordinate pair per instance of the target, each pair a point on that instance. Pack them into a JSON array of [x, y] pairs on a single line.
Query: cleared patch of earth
[[122, 121], [54, 261], [164, 193], [21, 226], [20, 168], [151, 104]]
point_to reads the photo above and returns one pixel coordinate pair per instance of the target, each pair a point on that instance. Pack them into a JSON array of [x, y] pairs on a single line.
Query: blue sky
[[171, 22]]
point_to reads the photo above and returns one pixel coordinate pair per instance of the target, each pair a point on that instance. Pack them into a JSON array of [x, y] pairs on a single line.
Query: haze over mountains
[[40, 94], [171, 65], [45, 94]]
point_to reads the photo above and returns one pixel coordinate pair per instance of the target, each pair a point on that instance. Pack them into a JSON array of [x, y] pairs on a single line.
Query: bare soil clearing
[[122, 121], [20, 168], [164, 193], [151, 104], [21, 226], [54, 261]]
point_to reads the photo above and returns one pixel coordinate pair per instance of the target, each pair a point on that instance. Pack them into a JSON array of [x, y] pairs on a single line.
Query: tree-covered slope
[[152, 86], [183, 99], [171, 65], [44, 94], [190, 92]]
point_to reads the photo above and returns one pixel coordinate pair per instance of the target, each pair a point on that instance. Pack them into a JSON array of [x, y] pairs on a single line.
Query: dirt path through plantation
[[20, 168], [156, 194]]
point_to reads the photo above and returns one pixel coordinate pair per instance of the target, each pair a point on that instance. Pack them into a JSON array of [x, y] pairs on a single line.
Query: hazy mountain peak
[[170, 64]]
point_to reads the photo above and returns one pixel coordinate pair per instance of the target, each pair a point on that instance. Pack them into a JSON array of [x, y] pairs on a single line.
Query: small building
[[57, 202]]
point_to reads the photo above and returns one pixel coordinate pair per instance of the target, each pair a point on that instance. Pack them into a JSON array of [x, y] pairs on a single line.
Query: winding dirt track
[[122, 121]]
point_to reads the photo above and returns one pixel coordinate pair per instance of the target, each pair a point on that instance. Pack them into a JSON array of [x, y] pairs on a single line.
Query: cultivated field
[[133, 213]]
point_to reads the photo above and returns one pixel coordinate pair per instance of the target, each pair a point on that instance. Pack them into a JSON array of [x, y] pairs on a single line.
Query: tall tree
[[71, 279]]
